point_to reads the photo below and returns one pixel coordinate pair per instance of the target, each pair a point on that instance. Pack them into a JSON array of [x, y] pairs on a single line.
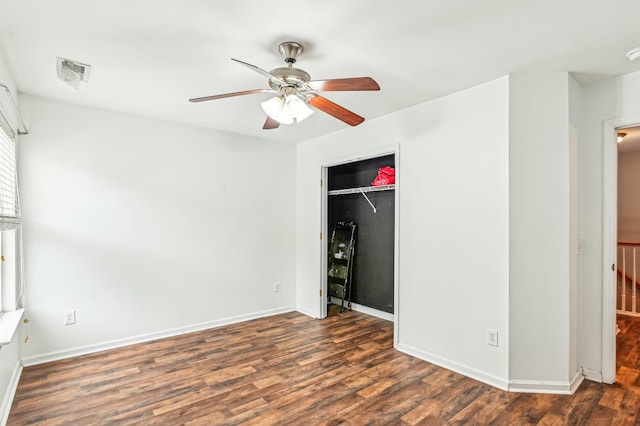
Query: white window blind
[[9, 201]]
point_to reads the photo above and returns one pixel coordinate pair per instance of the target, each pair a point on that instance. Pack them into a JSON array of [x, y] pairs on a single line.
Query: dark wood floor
[[293, 370]]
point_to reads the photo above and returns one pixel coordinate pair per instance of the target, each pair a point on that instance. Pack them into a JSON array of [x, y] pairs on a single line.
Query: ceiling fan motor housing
[[293, 76]]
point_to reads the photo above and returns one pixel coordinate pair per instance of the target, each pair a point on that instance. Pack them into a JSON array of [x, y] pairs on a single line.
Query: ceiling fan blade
[[230, 95], [270, 123], [343, 84], [335, 110], [261, 71]]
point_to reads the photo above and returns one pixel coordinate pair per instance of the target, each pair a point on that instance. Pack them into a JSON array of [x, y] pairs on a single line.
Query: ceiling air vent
[[72, 72]]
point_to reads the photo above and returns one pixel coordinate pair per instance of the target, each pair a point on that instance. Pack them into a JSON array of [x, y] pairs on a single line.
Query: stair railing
[[627, 257]]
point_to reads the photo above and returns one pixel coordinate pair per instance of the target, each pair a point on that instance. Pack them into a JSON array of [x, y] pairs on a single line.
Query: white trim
[[7, 401], [609, 232], [9, 270], [353, 157], [609, 242], [547, 386], [83, 350], [465, 370], [576, 381], [529, 386], [365, 310], [306, 311], [324, 229], [594, 376], [396, 251], [630, 314], [9, 322]]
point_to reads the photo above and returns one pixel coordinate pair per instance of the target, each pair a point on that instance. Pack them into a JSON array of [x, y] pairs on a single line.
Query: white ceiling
[[149, 56]]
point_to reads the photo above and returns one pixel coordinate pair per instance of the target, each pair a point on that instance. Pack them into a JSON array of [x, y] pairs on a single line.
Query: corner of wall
[[540, 290]]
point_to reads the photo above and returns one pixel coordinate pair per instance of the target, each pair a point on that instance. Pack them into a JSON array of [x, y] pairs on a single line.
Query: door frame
[[351, 158], [610, 241]]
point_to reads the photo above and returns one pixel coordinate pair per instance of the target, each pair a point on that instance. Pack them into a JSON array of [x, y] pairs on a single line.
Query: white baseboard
[[473, 373], [594, 376], [113, 344], [7, 401], [540, 386], [576, 381], [526, 386], [548, 386], [365, 309], [306, 311]]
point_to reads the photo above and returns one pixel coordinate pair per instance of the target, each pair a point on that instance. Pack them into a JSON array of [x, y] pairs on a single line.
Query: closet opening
[[359, 210]]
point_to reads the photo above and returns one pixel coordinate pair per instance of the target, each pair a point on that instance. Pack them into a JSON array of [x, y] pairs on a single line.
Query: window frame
[[11, 284]]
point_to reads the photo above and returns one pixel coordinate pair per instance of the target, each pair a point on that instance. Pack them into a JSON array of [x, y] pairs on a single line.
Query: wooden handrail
[[628, 243]]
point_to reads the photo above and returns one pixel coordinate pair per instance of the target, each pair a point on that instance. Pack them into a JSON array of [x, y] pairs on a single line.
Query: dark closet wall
[[372, 283]]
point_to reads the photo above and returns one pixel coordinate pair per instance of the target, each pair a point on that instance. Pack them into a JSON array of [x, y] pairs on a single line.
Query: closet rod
[[15, 106]]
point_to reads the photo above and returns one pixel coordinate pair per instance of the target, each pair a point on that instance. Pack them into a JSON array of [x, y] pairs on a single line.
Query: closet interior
[[353, 198]]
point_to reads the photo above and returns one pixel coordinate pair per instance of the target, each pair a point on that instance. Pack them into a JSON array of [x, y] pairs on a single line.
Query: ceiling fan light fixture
[[287, 110], [296, 107], [274, 108], [621, 136]]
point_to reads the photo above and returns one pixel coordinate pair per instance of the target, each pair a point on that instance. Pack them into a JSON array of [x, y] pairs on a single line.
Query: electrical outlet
[[277, 287], [70, 317], [492, 337]]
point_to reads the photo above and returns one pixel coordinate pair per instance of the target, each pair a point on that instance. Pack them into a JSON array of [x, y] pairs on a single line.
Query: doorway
[[349, 196], [628, 250], [611, 263]]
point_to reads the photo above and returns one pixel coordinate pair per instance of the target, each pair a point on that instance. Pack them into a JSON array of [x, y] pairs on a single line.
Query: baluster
[[623, 288], [633, 283]]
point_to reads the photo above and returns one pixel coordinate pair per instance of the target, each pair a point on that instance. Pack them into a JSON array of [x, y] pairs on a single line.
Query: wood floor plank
[[290, 369], [484, 409], [612, 398]]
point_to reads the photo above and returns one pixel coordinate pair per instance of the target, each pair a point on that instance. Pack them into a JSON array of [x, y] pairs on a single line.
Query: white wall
[[9, 354], [629, 196], [147, 228], [453, 198], [540, 271], [615, 98]]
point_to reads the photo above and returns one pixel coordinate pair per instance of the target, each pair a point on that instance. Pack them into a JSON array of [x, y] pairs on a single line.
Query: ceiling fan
[[296, 91]]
